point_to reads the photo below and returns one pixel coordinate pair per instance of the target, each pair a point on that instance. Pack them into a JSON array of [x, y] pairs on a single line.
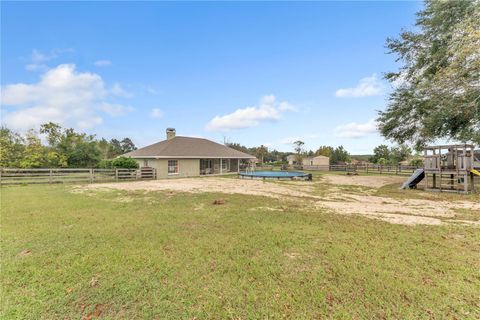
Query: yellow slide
[[475, 172]]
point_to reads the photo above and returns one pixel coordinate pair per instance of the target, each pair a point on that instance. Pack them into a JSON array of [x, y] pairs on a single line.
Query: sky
[[249, 72]]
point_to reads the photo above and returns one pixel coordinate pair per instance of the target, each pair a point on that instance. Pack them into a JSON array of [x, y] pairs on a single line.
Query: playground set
[[447, 168]]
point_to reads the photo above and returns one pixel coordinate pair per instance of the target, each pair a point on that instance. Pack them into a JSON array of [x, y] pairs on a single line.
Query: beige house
[[316, 161], [189, 157], [292, 159]]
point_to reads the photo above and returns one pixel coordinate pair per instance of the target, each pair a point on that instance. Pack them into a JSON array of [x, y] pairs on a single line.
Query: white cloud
[[152, 90], [117, 90], [290, 140], [39, 60], [156, 113], [366, 87], [62, 95], [356, 130], [103, 63], [269, 109], [115, 110]]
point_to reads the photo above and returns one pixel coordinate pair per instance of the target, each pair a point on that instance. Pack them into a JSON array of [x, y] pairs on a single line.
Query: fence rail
[[370, 168], [68, 175]]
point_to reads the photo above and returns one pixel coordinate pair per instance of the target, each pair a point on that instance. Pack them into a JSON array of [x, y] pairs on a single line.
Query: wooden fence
[[373, 168], [62, 175], [370, 168]]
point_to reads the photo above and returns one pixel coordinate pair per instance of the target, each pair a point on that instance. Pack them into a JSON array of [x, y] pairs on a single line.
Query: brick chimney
[[170, 133]]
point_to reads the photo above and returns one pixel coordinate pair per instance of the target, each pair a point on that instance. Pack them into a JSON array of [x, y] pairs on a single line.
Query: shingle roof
[[186, 147]]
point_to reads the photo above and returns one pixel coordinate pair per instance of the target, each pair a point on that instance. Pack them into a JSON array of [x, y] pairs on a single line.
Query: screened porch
[[219, 166]]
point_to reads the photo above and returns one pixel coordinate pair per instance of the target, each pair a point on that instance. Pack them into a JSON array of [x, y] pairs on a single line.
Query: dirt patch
[[364, 181], [200, 185], [266, 209], [338, 199], [406, 211]]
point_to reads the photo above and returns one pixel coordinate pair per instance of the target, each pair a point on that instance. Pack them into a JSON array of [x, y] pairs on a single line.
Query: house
[[316, 161], [292, 159], [188, 157], [359, 162]]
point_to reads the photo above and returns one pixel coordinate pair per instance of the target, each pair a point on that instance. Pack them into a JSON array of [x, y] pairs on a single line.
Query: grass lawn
[[130, 254]]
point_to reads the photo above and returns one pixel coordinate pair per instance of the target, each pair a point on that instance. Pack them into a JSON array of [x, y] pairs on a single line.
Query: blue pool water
[[273, 174]]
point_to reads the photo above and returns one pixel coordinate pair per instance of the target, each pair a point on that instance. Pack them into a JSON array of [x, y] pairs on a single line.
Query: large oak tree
[[437, 88]]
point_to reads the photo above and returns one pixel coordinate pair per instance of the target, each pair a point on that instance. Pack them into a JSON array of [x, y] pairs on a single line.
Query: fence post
[[50, 176], [116, 174], [91, 175]]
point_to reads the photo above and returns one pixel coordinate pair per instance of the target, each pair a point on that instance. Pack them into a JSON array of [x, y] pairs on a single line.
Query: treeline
[[64, 148], [337, 155], [383, 155]]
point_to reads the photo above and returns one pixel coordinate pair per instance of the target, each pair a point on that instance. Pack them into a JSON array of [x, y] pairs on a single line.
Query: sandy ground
[[212, 184], [405, 211], [398, 211], [364, 181]]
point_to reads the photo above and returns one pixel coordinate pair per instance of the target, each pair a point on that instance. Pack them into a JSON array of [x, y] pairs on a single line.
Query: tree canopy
[[437, 88], [64, 148], [382, 154]]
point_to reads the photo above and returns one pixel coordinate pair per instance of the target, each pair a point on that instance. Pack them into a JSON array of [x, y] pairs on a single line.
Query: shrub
[[124, 162], [382, 161], [105, 164], [417, 162]]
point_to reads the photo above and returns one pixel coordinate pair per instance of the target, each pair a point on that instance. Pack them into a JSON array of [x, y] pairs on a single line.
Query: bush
[[382, 161], [417, 162], [105, 164], [124, 162]]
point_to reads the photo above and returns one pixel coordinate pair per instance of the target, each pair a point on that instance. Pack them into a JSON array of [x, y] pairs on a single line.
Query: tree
[[416, 162], [11, 148], [34, 153], [104, 148], [382, 151], [299, 150], [115, 148], [324, 151], [53, 131], [261, 152], [392, 155], [436, 92], [127, 145], [339, 155], [382, 161], [399, 153]]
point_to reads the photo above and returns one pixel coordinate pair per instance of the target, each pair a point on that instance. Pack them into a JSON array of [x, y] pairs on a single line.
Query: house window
[[172, 166], [225, 164], [145, 163]]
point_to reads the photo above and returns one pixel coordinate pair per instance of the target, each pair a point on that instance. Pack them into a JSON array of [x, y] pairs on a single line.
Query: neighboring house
[[359, 162], [292, 159], [189, 157], [316, 161]]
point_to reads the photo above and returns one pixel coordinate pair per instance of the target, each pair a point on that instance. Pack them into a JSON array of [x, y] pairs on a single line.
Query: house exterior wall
[[316, 161], [291, 159], [186, 167]]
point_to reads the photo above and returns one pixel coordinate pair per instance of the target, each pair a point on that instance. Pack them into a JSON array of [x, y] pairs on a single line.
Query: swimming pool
[[275, 175]]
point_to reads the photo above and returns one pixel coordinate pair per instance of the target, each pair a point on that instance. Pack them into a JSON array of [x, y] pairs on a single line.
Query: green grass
[[177, 256]]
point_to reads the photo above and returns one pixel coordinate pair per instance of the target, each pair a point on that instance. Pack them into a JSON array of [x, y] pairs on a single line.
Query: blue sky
[[249, 72]]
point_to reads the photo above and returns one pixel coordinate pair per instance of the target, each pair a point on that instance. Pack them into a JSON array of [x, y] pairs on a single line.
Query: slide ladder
[[414, 179]]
